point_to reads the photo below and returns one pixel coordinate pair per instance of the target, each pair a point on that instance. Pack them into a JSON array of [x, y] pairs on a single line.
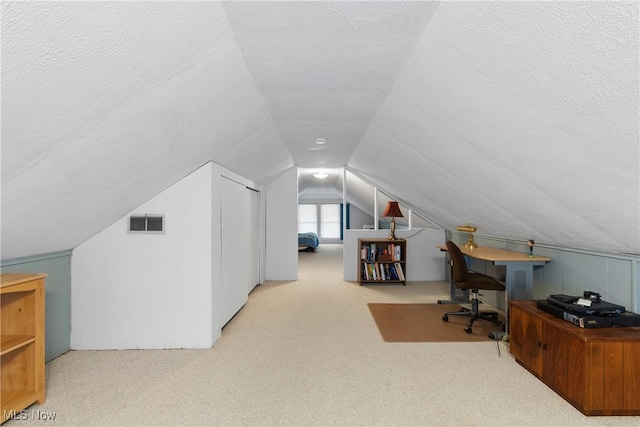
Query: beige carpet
[[307, 353], [423, 323]]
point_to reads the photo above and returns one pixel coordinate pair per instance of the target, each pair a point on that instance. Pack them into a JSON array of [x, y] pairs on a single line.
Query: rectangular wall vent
[[146, 224]]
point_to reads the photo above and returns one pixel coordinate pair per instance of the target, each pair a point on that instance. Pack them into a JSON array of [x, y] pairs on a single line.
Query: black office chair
[[468, 280]]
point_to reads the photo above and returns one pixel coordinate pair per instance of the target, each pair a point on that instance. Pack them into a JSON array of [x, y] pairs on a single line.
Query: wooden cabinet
[[382, 261], [596, 370], [527, 331], [22, 324]]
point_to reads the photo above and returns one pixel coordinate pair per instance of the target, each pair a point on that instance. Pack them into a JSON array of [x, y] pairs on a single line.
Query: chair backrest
[[459, 268]]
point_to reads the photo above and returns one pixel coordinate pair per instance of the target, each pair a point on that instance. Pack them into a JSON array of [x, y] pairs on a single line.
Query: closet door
[[254, 240], [239, 246]]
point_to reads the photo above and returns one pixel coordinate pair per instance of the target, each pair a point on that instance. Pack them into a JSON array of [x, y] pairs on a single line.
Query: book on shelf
[[382, 271], [393, 275], [380, 252], [399, 271]]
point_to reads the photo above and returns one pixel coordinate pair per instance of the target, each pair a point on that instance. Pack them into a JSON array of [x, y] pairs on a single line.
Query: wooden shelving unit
[[22, 323], [382, 261]]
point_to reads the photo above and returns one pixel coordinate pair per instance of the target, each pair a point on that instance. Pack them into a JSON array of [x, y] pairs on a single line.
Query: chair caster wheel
[[445, 318], [468, 329]]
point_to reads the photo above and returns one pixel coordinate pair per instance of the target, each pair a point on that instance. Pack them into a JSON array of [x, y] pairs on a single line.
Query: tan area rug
[[423, 323]]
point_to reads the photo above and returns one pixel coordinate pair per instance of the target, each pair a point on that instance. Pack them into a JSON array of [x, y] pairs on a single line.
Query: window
[[329, 225], [307, 219], [146, 224], [330, 221]]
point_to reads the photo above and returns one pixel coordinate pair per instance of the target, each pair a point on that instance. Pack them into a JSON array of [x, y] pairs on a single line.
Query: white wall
[[359, 218], [148, 290], [157, 290], [424, 260], [282, 227]]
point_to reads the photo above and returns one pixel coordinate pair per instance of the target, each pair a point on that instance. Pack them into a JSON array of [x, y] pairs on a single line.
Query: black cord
[[415, 234], [496, 334]]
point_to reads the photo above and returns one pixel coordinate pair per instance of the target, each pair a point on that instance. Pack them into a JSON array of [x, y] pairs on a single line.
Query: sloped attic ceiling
[[518, 117], [106, 104]]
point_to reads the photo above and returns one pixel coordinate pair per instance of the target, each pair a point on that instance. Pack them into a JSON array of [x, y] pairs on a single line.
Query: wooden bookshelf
[[382, 261], [22, 324]]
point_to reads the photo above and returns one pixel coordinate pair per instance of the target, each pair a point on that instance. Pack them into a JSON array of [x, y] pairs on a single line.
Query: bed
[[308, 242]]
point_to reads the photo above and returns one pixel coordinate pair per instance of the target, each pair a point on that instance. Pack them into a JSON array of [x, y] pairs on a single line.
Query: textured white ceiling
[[106, 104], [518, 117], [324, 68]]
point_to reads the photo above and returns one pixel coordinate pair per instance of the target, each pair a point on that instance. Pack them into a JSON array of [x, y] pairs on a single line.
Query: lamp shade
[[392, 210]]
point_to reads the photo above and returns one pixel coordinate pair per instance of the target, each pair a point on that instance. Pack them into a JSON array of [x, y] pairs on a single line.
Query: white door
[[239, 218]]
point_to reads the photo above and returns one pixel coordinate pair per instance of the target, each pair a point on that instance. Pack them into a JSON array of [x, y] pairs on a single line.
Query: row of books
[[381, 252], [382, 271]]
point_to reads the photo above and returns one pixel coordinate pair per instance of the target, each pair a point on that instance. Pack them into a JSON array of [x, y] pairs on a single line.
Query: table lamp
[[392, 210], [469, 229]]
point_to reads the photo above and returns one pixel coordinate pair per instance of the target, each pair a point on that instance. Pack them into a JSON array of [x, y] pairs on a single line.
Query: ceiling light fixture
[[320, 141], [320, 175]]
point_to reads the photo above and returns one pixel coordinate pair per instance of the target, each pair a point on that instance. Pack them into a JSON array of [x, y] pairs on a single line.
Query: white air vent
[[146, 224]]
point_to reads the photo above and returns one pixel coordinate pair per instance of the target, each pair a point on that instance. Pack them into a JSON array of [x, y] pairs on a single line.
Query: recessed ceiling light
[[320, 141], [320, 175]]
